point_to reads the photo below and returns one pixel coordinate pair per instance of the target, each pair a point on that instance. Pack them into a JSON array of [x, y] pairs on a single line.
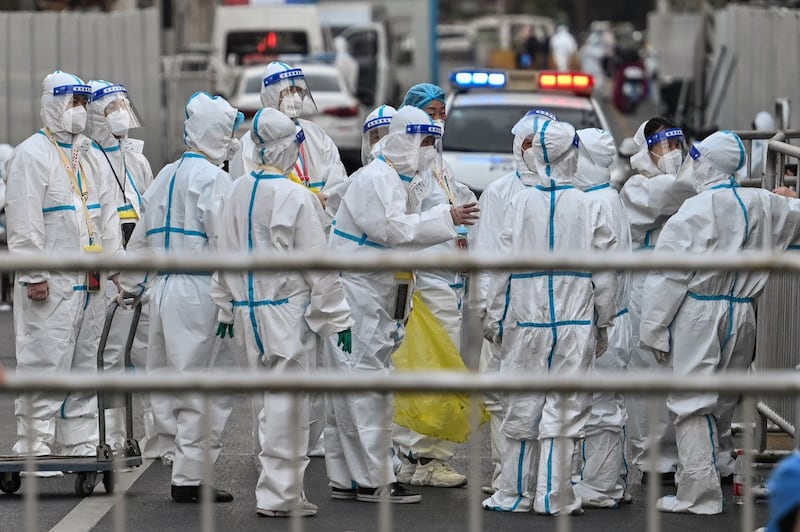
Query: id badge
[[404, 290], [93, 277]]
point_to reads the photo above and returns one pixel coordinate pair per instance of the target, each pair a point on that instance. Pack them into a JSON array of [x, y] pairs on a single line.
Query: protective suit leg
[[490, 363], [164, 422], [602, 482], [699, 489], [514, 484], [554, 493], [76, 427], [316, 403], [637, 406], [284, 440]]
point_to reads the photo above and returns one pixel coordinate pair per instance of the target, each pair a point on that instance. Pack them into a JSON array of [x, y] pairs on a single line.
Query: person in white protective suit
[[763, 121], [602, 479], [319, 166], [380, 210], [704, 322], [562, 47], [592, 54], [376, 126], [425, 461], [5, 154], [346, 64], [548, 322], [56, 206], [650, 198], [275, 319], [494, 202], [181, 216], [128, 173]]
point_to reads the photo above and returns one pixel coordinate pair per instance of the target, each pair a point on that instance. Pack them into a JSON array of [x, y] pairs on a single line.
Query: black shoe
[[194, 494], [726, 481], [664, 479], [394, 493]]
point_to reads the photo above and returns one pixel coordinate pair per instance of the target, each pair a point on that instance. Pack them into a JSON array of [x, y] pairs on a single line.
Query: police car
[[485, 104]]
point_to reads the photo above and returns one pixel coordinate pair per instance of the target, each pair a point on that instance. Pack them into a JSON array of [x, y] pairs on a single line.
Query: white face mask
[[292, 105], [671, 162], [119, 121], [427, 158], [440, 123], [233, 149], [530, 159], [74, 119]]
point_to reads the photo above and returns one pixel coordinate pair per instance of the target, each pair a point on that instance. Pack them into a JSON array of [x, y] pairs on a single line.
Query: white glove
[[132, 146], [494, 336], [126, 300], [662, 357], [602, 342]]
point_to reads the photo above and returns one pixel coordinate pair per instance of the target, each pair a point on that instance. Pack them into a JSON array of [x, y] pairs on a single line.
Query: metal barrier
[[750, 385]]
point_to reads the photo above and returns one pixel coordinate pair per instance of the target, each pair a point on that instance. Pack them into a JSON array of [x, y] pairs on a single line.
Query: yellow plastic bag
[[427, 345]]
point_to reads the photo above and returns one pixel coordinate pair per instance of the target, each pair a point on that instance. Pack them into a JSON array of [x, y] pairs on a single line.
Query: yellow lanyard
[[440, 177], [77, 186]]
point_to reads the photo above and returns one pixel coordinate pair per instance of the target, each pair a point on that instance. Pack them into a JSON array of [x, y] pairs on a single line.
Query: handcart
[[88, 468]]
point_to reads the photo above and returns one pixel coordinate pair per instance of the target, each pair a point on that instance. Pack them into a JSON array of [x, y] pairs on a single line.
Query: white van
[[247, 35]]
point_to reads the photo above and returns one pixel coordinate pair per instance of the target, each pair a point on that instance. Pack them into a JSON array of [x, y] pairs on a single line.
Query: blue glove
[[345, 341], [222, 328]]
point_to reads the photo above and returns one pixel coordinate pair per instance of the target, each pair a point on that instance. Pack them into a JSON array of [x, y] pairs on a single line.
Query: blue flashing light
[[467, 79]]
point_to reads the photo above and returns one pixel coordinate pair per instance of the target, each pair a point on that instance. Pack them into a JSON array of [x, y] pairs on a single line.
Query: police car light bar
[[468, 79], [575, 82]]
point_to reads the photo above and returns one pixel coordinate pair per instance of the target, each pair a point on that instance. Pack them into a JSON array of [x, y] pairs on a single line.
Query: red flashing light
[[269, 42], [342, 111], [575, 82]]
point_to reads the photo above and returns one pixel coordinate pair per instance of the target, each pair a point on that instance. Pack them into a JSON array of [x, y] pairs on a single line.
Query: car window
[[322, 82], [253, 85], [250, 47], [488, 128]]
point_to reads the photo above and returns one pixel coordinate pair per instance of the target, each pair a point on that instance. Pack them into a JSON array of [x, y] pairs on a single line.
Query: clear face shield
[[294, 96], [430, 147], [73, 102], [120, 113], [374, 131], [667, 150]]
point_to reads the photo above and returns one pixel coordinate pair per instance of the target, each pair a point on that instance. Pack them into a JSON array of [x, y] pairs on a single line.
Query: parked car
[[339, 113]]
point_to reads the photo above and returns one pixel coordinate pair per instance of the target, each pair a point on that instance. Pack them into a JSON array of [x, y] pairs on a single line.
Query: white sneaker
[[406, 471], [304, 509], [168, 460], [438, 474]]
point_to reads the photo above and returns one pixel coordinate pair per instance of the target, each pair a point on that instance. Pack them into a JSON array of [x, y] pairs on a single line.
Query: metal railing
[[749, 385]]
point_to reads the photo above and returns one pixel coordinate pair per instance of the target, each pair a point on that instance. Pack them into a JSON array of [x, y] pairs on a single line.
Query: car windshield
[[248, 47], [322, 82], [488, 128]]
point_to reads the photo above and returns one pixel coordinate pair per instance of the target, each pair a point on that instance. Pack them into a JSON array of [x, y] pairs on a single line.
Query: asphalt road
[[148, 506]]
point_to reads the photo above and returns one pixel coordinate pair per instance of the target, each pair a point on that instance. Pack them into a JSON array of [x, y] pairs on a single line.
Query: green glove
[[222, 328], [346, 341]]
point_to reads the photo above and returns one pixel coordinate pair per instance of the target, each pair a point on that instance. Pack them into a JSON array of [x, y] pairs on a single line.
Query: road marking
[[92, 509]]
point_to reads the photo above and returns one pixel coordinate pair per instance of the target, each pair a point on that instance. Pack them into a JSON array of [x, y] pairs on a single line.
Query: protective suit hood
[[764, 121], [103, 93], [276, 138], [784, 493], [57, 91], [528, 126], [595, 157], [376, 122], [5, 154], [641, 160], [556, 150], [422, 94], [279, 76], [719, 158], [401, 147], [209, 126], [340, 45]]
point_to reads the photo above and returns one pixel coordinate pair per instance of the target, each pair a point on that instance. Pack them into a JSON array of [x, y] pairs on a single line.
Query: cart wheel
[[10, 482], [84, 483], [109, 481]]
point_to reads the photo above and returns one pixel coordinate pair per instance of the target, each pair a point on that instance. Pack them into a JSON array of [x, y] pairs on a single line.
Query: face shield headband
[[670, 136], [425, 130], [80, 90], [383, 121]]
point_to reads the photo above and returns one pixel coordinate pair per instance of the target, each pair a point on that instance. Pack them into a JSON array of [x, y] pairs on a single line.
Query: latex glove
[[465, 214], [126, 300], [785, 192], [38, 291], [602, 342], [223, 328], [662, 357], [115, 279], [323, 199], [345, 341]]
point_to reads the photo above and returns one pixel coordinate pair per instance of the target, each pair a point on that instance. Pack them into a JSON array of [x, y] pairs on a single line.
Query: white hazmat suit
[[277, 317], [603, 475], [763, 121], [380, 210], [56, 205], [128, 174], [562, 47], [346, 64], [181, 211], [547, 322], [494, 203], [650, 197], [706, 320]]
